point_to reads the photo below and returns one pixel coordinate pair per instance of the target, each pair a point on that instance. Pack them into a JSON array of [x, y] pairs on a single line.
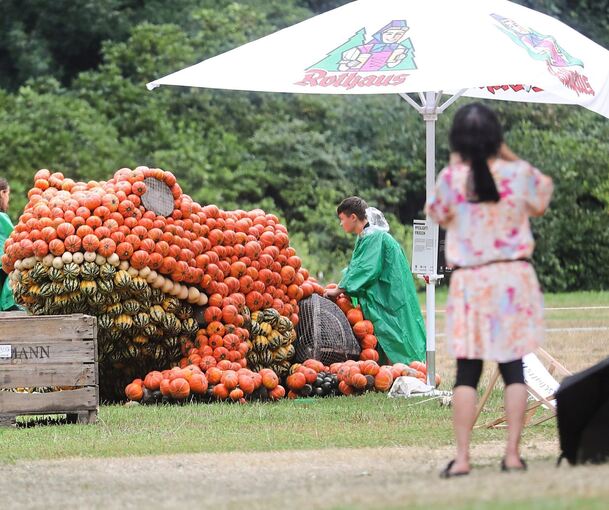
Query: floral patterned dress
[[495, 306]]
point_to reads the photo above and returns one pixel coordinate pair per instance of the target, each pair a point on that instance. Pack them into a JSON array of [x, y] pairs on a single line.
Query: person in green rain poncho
[[6, 227], [379, 277]]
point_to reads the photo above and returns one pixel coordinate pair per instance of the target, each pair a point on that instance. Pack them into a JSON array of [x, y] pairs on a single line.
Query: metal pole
[[430, 109], [430, 116]]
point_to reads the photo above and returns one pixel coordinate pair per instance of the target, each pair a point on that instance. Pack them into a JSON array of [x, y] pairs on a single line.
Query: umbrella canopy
[[583, 415], [403, 46]]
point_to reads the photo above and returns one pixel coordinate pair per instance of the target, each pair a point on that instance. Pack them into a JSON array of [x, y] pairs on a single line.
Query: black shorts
[[470, 370]]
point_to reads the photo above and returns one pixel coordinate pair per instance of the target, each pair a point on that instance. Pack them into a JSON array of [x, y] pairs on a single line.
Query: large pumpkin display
[[163, 274]]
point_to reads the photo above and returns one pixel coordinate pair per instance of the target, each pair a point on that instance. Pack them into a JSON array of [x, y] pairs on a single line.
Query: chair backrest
[[538, 378]]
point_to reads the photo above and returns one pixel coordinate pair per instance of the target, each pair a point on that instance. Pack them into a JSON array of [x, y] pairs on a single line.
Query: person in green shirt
[[379, 277], [7, 302]]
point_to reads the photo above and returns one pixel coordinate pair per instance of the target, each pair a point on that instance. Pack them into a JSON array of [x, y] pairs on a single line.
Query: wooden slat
[[8, 420], [86, 417], [14, 329], [49, 403], [46, 351], [42, 375]]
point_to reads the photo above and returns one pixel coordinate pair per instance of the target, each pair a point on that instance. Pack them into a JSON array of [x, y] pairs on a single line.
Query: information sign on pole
[[424, 247]]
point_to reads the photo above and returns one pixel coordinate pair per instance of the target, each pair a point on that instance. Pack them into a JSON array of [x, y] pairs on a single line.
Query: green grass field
[[371, 420]]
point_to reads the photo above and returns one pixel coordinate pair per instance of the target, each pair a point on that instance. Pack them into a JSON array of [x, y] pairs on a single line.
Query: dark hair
[[353, 205], [3, 184], [476, 135]]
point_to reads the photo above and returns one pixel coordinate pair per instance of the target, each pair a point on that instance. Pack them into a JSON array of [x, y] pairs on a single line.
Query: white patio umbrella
[[492, 49]]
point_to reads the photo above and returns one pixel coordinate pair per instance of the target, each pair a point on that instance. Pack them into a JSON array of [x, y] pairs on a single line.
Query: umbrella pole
[[430, 109], [430, 116]]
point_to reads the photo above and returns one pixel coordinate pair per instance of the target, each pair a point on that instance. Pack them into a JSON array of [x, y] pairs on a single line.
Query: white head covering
[[376, 220]]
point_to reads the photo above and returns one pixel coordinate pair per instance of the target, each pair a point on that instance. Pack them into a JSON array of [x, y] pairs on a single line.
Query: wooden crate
[[48, 351]]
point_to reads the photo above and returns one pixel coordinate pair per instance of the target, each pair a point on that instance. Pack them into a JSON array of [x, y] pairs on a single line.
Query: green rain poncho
[[379, 277], [6, 295]]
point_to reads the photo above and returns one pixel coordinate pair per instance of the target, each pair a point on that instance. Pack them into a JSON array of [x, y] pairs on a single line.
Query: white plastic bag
[[406, 386]]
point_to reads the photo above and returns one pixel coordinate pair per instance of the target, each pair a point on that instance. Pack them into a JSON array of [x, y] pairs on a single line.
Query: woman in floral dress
[[495, 306]]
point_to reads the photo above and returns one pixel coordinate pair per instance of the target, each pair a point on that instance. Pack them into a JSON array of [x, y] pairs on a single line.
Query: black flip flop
[[445, 473], [506, 469]]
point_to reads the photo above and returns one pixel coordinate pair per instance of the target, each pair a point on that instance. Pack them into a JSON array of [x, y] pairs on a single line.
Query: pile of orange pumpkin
[[229, 381], [224, 382], [95, 248], [354, 377], [364, 332], [362, 329]]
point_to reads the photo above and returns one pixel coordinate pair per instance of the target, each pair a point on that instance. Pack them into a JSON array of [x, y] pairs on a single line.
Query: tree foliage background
[[73, 99]]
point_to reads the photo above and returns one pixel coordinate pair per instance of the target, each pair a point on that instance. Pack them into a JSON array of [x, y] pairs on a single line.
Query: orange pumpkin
[[220, 353], [277, 392], [296, 381], [47, 234], [72, 243], [40, 248], [354, 316], [216, 341], [214, 375], [65, 229], [152, 381], [267, 239], [369, 354], [359, 381], [220, 392], [238, 269], [343, 372], [224, 365], [246, 383], [164, 387], [212, 313], [369, 342], [396, 371], [215, 328], [383, 380], [56, 247], [420, 375], [198, 384], [363, 328], [90, 242], [370, 367], [230, 379], [179, 388], [134, 392], [139, 259], [207, 362], [417, 365], [344, 304], [270, 380], [230, 314], [124, 250], [344, 388], [231, 342], [254, 300], [309, 373], [316, 365], [106, 247], [236, 394], [288, 274]]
